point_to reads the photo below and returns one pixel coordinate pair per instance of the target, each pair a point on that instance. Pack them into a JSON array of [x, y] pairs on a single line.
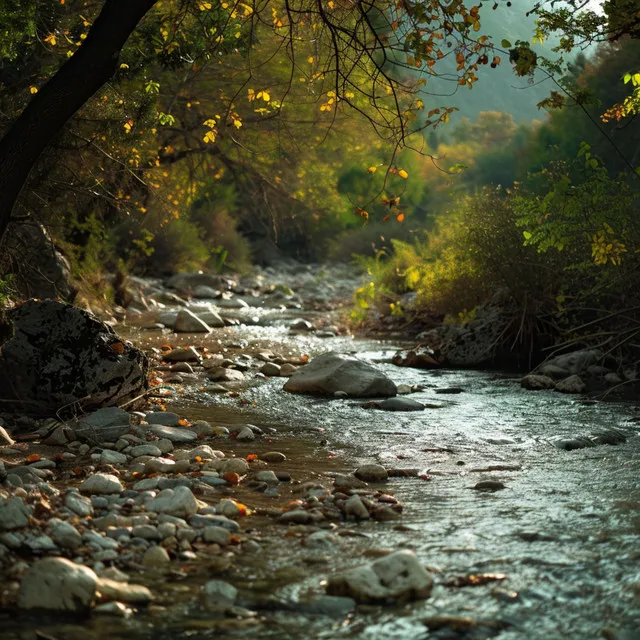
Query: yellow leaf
[[237, 123], [128, 125], [331, 4], [33, 89], [124, 65], [203, 6], [51, 39], [372, 169], [403, 174], [211, 123], [310, 59], [209, 137]]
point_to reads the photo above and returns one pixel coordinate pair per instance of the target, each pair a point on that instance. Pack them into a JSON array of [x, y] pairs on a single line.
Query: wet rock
[[189, 322], [217, 593], [56, 584], [217, 535], [612, 378], [211, 319], [327, 606], [371, 473], [396, 577], [164, 418], [176, 502], [101, 483], [287, 369], [300, 324], [65, 535], [273, 456], [535, 382], [122, 591], [14, 514], [489, 485], [270, 369], [418, 358], [175, 434], [553, 371], [572, 384], [333, 372], [267, 476], [222, 374], [346, 483], [155, 557], [245, 435], [401, 404], [188, 354], [202, 427], [297, 516], [117, 609], [356, 508], [578, 361], [61, 356]]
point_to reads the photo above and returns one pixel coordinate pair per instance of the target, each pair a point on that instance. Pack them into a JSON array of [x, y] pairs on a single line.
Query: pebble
[[177, 502], [14, 514], [78, 504], [174, 434], [165, 418], [218, 535], [371, 473], [101, 483], [234, 465], [155, 556], [489, 485], [355, 507], [270, 369], [145, 450], [65, 535], [217, 593], [246, 435], [112, 457], [273, 456], [266, 476], [297, 516]]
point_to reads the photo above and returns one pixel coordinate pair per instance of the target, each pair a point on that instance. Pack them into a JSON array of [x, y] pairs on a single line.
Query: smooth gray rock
[[536, 382], [145, 450], [101, 483], [14, 514], [59, 356], [176, 502], [572, 384], [396, 577], [401, 404], [371, 473], [65, 535], [333, 372], [189, 322], [578, 361], [217, 593], [112, 457], [78, 504], [175, 434], [165, 418], [57, 584]]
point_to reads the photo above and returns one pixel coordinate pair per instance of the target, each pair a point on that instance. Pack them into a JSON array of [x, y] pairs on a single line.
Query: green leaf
[[627, 78], [506, 44], [527, 235]]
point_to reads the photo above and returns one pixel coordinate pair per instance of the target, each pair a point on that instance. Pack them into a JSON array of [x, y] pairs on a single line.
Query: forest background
[[213, 147]]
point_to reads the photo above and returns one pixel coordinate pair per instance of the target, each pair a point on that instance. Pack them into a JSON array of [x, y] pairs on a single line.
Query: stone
[[112, 457], [273, 457], [572, 384], [234, 465], [202, 427], [188, 354], [217, 535], [145, 450], [123, 591], [101, 483], [356, 508], [576, 362], [245, 435], [418, 358], [165, 418], [57, 584], [117, 609], [270, 369], [536, 382], [155, 557], [189, 322], [217, 593], [78, 504], [267, 476], [371, 473], [553, 371], [58, 356], [333, 372], [204, 291], [175, 434], [398, 577], [489, 485], [178, 502], [612, 378], [65, 535], [287, 370], [300, 324], [297, 516], [222, 374], [14, 514], [211, 319], [401, 404]]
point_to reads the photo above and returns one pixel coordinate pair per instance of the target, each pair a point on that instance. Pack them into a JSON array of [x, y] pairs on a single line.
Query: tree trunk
[[73, 84]]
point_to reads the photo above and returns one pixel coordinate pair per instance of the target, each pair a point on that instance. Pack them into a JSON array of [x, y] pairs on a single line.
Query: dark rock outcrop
[[57, 357]]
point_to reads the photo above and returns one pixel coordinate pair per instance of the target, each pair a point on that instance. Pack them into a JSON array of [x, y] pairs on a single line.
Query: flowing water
[[564, 532]]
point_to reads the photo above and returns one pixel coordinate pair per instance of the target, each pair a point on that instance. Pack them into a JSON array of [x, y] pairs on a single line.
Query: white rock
[[333, 372], [396, 577], [56, 584], [176, 502], [101, 483]]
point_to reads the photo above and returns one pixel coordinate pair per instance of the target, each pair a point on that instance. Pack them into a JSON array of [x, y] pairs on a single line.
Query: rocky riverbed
[[441, 504]]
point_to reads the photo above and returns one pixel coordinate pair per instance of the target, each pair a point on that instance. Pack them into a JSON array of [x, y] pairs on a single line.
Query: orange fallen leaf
[[231, 478], [34, 457], [252, 456]]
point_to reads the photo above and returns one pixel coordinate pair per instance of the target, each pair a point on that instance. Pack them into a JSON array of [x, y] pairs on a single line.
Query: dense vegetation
[[399, 132]]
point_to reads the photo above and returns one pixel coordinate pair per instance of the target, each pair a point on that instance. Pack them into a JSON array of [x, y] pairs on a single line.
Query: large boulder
[[332, 372], [57, 584], [56, 356], [576, 362], [396, 577]]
